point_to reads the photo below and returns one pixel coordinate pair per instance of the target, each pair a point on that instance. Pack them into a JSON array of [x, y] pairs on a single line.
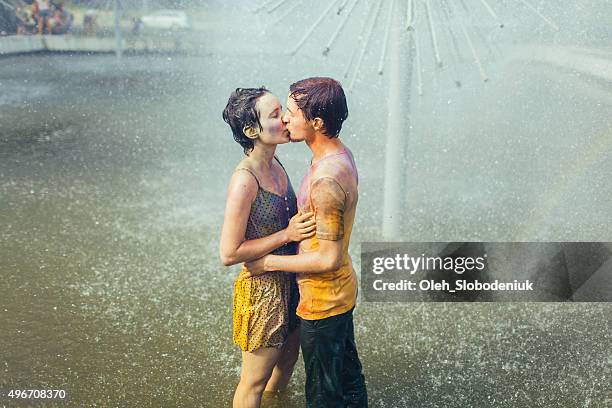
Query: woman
[[260, 218], [44, 15]]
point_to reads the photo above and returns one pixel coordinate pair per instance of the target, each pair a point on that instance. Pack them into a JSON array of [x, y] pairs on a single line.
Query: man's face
[[299, 128]]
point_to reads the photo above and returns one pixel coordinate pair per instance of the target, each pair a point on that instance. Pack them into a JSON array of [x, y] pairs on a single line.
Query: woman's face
[[273, 130], [299, 128]]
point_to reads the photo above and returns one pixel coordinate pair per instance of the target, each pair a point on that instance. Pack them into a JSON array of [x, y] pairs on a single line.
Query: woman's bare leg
[[284, 366], [256, 370]]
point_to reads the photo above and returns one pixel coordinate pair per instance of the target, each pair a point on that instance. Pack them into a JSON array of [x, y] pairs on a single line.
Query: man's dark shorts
[[333, 371]]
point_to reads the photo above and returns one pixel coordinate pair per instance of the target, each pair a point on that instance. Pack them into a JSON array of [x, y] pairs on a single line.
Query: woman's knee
[[253, 384]]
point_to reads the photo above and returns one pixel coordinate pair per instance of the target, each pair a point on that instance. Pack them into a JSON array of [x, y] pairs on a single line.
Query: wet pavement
[[112, 186]]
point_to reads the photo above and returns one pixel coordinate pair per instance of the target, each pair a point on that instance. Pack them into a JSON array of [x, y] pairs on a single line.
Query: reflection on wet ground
[[112, 185]]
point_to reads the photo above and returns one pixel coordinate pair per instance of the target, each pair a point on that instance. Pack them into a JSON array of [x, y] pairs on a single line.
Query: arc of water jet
[[410, 15], [483, 74], [333, 37], [289, 11], [432, 30], [443, 14], [312, 28], [492, 13], [277, 5], [542, 16], [481, 70], [458, 57], [417, 58], [479, 33], [455, 52], [381, 62], [365, 45], [359, 41], [342, 6]]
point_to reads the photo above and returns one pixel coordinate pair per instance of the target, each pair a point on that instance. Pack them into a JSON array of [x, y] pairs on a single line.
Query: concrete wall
[[18, 44], [26, 44]]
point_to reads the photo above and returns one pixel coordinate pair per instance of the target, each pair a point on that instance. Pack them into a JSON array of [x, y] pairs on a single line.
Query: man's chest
[[303, 201]]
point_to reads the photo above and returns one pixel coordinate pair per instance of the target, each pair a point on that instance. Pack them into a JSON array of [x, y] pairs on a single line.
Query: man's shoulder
[[328, 169], [339, 168], [334, 167]]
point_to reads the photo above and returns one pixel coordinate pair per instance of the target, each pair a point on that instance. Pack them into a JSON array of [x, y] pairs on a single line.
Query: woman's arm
[[234, 248]]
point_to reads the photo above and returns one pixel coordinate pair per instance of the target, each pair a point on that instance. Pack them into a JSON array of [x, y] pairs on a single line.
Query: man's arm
[[328, 200], [326, 259]]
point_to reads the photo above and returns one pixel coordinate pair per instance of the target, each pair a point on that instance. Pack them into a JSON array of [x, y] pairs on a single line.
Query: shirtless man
[[316, 109]]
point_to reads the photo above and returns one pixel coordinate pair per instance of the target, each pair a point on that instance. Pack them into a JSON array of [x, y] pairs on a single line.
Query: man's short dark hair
[[240, 112], [321, 97]]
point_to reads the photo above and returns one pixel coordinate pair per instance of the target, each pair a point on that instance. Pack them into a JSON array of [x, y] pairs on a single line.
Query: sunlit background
[[113, 170]]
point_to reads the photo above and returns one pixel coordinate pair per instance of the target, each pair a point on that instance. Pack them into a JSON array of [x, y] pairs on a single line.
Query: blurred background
[[114, 162]]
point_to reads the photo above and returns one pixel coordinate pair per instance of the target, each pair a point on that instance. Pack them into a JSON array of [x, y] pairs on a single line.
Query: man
[[316, 109]]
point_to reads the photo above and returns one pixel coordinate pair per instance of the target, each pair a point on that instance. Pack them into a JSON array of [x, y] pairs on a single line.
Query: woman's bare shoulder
[[243, 179], [245, 163]]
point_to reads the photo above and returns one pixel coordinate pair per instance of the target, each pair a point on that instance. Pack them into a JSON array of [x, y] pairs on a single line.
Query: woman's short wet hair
[[240, 113], [321, 97]]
